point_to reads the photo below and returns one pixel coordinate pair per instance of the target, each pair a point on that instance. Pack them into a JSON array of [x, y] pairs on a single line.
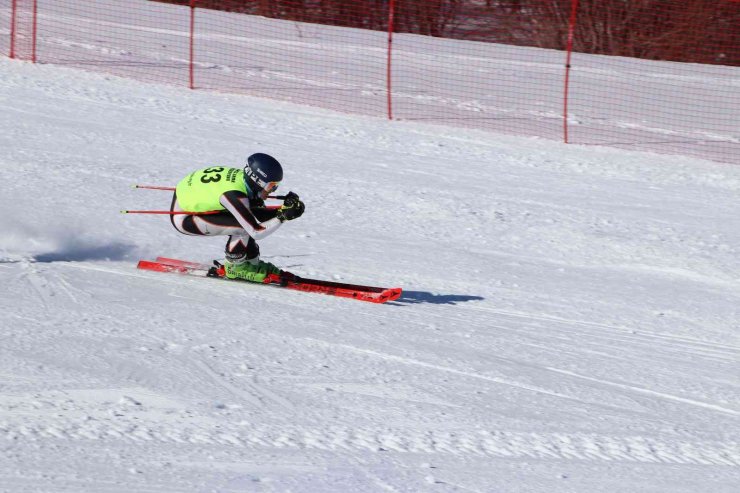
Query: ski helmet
[[262, 174]]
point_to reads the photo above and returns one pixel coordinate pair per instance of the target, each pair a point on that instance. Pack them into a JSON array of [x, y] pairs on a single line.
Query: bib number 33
[[211, 175]]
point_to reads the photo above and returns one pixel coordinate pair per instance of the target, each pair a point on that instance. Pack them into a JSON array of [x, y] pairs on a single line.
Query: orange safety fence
[[661, 75]]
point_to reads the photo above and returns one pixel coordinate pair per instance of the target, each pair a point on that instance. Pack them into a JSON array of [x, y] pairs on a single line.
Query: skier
[[240, 195]]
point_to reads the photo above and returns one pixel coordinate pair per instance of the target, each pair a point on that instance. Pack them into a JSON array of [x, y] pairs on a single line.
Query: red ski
[[287, 280]]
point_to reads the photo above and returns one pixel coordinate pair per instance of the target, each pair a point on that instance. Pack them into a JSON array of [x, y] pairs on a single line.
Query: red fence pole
[[12, 28], [391, 15], [35, 29], [192, 45], [571, 31]]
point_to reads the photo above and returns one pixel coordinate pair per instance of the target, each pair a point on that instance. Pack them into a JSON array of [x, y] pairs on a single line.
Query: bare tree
[[701, 31]]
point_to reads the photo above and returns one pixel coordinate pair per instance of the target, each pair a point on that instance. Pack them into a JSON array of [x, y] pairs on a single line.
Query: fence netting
[[659, 75]]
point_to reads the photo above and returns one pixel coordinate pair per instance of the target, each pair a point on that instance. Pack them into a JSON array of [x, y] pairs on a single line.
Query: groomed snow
[[569, 322]]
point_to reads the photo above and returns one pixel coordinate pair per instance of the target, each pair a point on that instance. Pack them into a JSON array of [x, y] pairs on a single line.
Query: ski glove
[[292, 208]]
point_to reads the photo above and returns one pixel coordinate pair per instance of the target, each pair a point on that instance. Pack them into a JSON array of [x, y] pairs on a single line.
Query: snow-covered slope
[[569, 322]]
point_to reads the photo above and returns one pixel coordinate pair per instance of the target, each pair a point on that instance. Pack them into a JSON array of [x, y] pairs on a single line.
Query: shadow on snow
[[78, 253], [416, 297]]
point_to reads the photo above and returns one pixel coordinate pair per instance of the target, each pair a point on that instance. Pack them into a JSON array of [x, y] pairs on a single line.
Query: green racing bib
[[201, 190]]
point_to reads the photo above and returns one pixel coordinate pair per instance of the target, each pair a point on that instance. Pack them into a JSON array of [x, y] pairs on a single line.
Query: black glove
[[290, 199], [292, 208]]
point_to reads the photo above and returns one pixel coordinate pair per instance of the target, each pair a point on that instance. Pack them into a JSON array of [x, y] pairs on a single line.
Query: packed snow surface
[[569, 320]]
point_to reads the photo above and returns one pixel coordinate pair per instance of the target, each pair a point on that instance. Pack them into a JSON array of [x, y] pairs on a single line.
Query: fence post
[[391, 15], [35, 30], [191, 57], [571, 31], [13, 8]]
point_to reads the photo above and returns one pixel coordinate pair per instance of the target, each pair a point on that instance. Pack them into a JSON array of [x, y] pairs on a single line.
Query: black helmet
[[262, 174]]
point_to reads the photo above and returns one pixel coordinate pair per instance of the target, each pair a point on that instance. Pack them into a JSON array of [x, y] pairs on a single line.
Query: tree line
[[698, 31]]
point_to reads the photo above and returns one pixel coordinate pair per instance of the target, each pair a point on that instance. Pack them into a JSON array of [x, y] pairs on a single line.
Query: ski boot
[[256, 271]]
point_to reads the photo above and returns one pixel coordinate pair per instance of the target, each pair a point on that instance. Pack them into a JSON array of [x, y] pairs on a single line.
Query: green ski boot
[[248, 271]]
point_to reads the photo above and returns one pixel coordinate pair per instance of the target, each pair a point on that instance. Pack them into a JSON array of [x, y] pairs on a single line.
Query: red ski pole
[[191, 213], [125, 211], [152, 187]]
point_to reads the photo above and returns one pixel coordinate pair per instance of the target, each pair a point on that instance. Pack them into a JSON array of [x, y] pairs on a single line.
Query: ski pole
[[191, 213], [153, 187], [125, 211], [172, 189]]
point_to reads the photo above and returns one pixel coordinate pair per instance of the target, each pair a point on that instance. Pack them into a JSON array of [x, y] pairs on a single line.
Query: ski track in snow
[[455, 442], [409, 361], [255, 394]]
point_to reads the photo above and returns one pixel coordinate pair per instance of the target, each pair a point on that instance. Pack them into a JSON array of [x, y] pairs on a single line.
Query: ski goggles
[[270, 186], [264, 186]]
